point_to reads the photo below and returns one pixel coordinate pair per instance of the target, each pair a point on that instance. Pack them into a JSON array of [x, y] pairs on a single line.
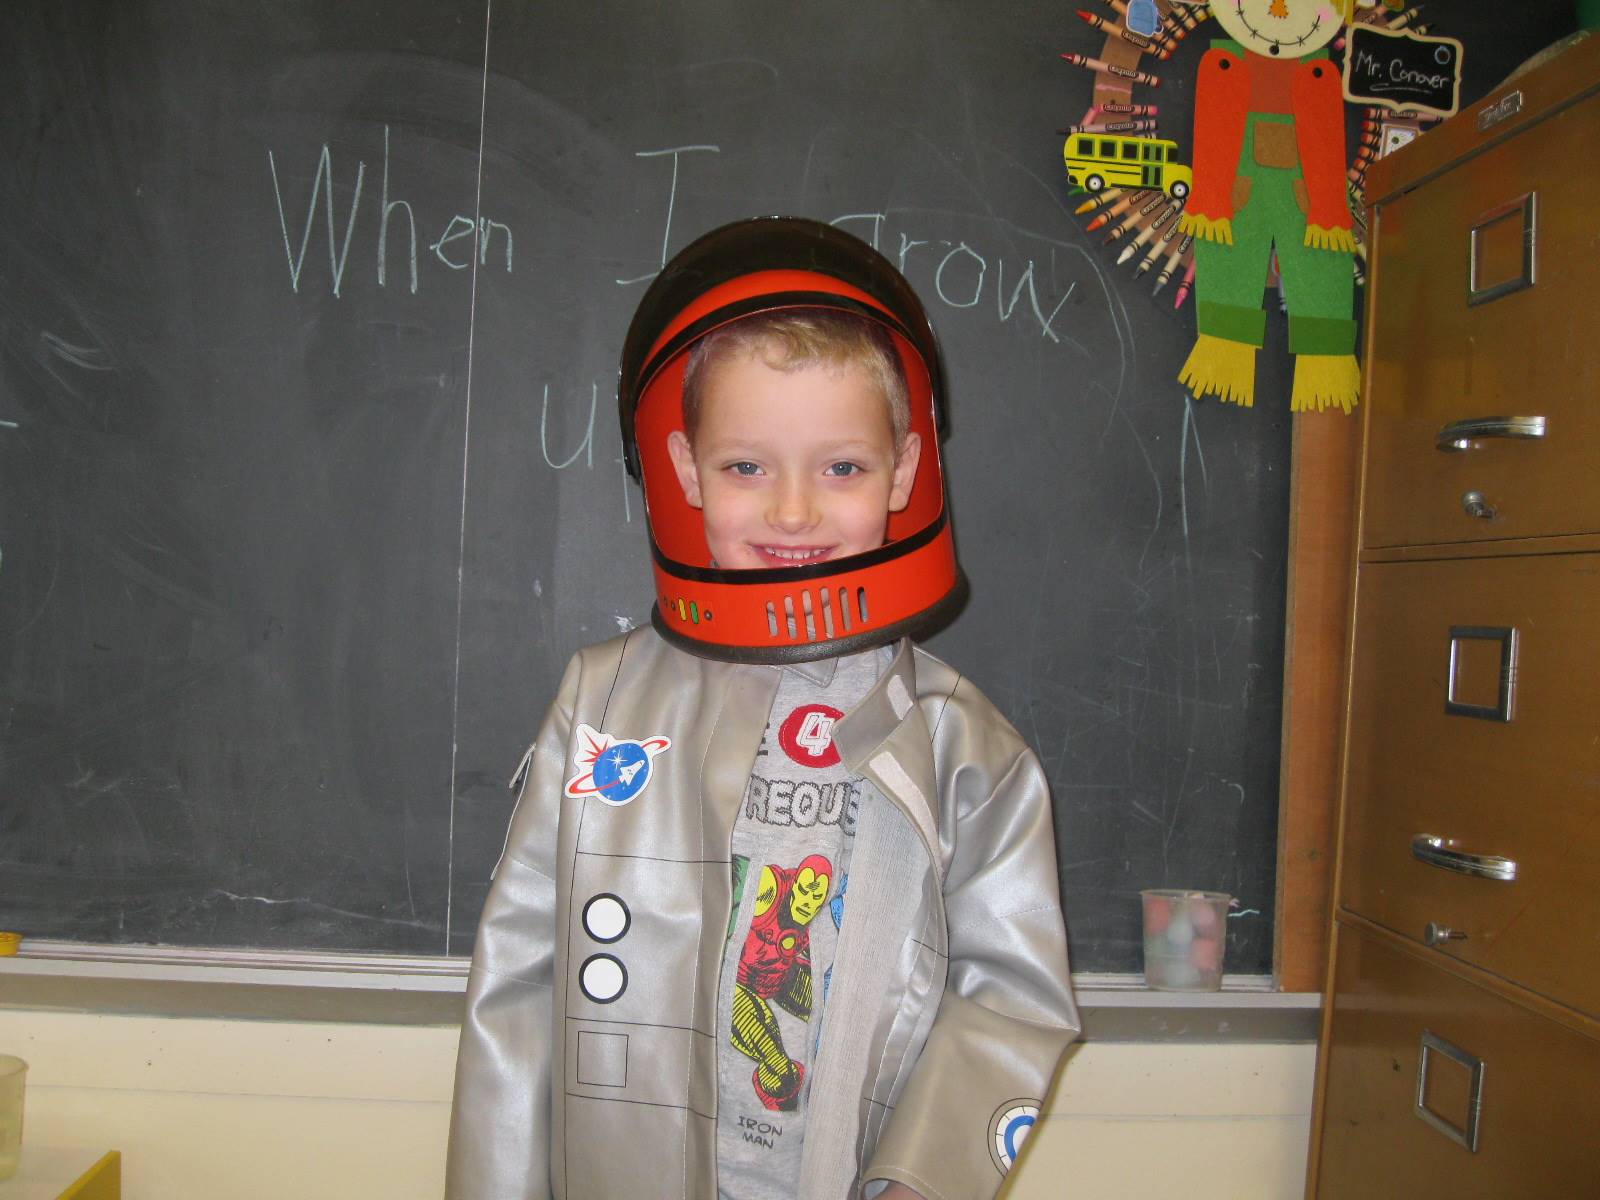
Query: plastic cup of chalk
[[1184, 933], [9, 942]]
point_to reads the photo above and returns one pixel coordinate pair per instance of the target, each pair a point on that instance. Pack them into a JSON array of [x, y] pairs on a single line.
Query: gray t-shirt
[[791, 862]]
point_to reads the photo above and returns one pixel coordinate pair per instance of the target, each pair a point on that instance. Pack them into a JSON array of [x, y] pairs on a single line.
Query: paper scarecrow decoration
[[1269, 177]]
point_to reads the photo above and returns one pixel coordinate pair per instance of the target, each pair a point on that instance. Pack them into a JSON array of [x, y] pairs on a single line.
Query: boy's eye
[[843, 469], [744, 468]]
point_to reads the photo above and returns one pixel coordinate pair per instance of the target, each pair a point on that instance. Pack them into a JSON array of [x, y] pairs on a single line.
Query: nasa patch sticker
[[616, 769], [1012, 1123]]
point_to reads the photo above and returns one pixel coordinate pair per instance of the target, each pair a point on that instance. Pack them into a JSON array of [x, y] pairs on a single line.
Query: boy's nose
[[793, 510]]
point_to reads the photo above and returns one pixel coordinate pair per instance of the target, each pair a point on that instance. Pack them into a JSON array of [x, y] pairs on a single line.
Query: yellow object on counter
[[103, 1181]]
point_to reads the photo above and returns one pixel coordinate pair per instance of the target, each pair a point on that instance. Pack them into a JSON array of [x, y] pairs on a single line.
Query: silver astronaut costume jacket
[[587, 1066]]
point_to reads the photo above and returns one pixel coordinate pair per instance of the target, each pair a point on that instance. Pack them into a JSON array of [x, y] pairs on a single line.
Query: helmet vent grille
[[814, 618]]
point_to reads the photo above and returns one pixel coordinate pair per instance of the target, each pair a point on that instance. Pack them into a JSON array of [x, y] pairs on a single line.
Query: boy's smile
[[793, 467]]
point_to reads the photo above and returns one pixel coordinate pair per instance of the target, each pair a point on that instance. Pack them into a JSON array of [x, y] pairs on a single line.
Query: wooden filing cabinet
[[1460, 1052]]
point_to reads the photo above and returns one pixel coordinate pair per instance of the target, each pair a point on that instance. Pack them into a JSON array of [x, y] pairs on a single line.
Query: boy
[[778, 912]]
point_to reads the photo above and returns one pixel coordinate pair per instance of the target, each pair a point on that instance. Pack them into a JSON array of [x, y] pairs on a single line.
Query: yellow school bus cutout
[[1102, 160]]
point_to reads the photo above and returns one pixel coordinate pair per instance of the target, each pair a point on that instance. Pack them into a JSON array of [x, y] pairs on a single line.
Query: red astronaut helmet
[[911, 583]]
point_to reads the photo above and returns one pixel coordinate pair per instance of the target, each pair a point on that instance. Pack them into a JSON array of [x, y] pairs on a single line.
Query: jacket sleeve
[[1007, 1013], [500, 1119]]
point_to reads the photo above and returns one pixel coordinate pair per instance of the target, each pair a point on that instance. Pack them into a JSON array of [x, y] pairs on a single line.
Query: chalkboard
[[1401, 70], [310, 482]]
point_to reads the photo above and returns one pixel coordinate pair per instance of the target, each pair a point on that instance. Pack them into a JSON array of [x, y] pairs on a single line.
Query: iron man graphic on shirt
[[775, 969]]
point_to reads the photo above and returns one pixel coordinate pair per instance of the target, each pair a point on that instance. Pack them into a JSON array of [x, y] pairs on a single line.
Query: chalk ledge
[[387, 990]]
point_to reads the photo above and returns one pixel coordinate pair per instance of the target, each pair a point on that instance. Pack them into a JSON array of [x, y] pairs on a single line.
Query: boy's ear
[[683, 463], [905, 472]]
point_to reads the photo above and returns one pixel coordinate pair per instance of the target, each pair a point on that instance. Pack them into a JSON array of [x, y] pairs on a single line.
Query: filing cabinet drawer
[[1508, 1099], [1441, 649], [1518, 221]]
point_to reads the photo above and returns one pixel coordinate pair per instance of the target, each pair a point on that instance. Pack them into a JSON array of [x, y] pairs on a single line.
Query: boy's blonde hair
[[794, 339]]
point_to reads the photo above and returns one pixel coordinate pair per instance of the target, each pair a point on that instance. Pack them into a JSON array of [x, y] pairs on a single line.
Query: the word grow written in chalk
[[960, 274], [484, 233]]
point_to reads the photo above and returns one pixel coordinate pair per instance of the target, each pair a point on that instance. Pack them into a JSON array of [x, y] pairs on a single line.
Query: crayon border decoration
[[1144, 229]]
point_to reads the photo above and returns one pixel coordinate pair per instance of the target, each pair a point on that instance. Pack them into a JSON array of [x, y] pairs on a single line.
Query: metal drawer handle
[[1459, 435], [1465, 1134], [1427, 848]]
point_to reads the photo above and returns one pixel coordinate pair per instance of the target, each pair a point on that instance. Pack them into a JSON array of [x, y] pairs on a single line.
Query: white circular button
[[606, 917], [602, 978]]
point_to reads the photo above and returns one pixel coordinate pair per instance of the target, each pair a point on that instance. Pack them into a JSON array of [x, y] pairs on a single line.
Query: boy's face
[[795, 467]]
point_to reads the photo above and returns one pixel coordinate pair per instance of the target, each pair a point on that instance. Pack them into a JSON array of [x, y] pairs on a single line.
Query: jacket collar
[[819, 670], [885, 739]]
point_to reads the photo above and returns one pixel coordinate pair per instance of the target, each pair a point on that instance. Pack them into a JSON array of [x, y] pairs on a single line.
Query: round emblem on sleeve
[[602, 978], [1010, 1127]]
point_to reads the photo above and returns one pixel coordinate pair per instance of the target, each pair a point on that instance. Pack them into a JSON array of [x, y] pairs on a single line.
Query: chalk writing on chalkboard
[[489, 233], [1403, 71], [959, 276]]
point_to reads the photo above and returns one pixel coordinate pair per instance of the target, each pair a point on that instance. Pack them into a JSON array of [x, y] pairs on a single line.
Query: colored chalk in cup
[[13, 1072], [9, 942], [1185, 933]]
